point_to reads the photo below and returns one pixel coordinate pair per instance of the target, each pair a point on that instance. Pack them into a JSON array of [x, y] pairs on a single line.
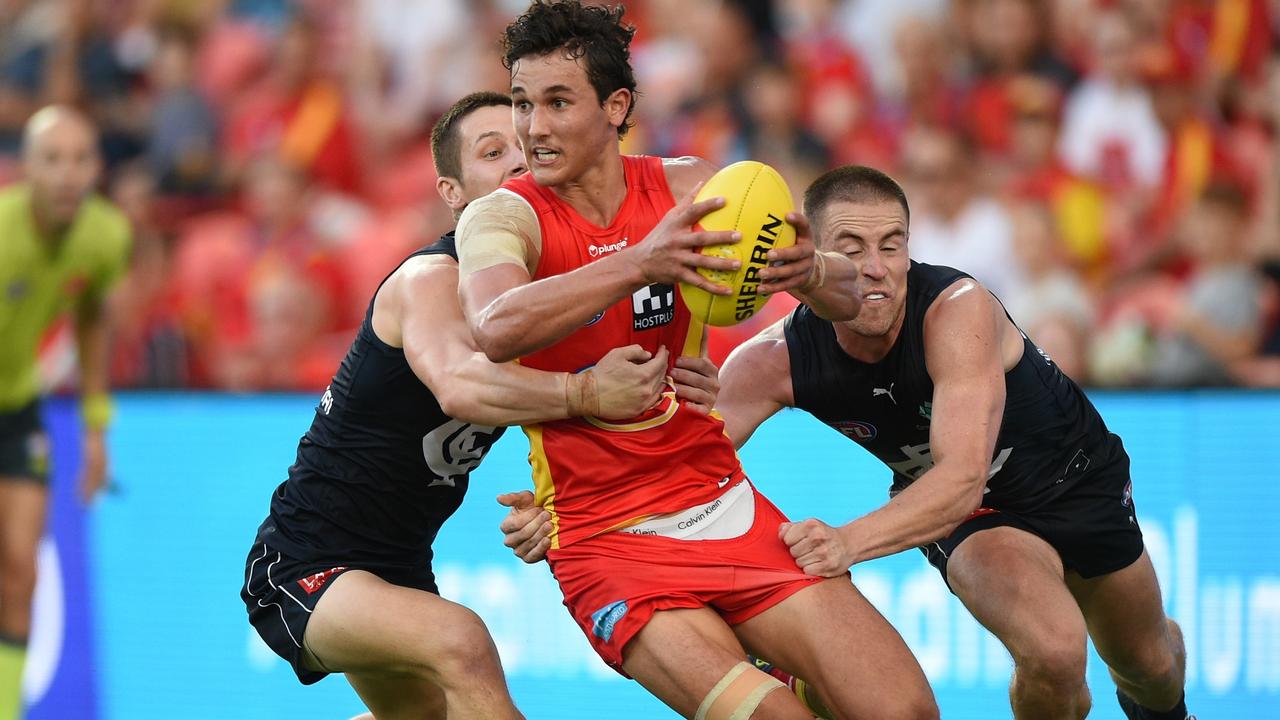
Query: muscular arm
[[1225, 345], [439, 347], [963, 334], [755, 383], [511, 315]]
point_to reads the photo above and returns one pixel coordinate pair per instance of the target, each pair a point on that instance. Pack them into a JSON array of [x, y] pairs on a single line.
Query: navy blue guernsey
[[382, 466], [1050, 433]]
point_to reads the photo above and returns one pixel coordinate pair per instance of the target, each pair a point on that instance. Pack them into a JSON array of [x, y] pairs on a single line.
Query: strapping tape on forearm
[[737, 695], [96, 411], [819, 276], [580, 394]]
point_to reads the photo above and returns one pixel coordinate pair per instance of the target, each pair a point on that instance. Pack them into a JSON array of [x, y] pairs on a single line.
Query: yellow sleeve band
[[96, 410]]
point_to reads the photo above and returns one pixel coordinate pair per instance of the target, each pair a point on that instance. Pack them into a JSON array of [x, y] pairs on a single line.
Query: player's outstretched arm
[[963, 334], [755, 383], [511, 315], [439, 347], [825, 281]]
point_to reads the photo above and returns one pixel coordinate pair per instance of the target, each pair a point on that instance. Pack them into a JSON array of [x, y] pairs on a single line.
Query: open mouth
[[544, 156]]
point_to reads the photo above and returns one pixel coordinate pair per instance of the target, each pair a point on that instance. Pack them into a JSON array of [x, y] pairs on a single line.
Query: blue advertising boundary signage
[[166, 558], [59, 678]]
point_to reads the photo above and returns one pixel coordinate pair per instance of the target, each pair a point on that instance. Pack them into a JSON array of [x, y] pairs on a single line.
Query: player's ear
[[617, 105], [450, 190]]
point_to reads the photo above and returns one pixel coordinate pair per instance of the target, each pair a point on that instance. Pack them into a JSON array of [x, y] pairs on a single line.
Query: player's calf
[[1151, 678], [1134, 711]]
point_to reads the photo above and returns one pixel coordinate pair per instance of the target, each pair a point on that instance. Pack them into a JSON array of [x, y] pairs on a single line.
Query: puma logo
[[877, 392]]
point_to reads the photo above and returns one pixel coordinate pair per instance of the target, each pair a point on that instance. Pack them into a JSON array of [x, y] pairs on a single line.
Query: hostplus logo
[[653, 306]]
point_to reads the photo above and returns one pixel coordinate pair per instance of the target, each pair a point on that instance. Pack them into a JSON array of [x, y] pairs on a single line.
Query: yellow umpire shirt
[[42, 278]]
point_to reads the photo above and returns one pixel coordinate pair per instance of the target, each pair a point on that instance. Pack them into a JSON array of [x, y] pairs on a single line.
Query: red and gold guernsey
[[593, 475]]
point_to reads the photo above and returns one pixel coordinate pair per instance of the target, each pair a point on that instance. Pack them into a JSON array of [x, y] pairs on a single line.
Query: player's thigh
[[364, 624], [392, 696], [23, 505], [1012, 581], [830, 635], [1126, 618], [681, 655]]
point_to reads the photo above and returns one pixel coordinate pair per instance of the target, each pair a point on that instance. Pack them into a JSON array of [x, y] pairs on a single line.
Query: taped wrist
[[580, 394], [96, 410], [819, 276]]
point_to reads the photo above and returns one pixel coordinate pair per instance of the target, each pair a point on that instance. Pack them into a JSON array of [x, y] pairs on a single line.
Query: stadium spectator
[[1033, 171], [1054, 308], [1110, 132], [874, 29], [61, 51], [1006, 45], [182, 136], [933, 93], [773, 130], [954, 222], [259, 295], [1218, 321], [393, 41], [297, 112], [147, 348]]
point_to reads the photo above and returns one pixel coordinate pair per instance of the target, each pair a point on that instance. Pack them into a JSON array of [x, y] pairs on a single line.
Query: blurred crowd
[[1109, 168]]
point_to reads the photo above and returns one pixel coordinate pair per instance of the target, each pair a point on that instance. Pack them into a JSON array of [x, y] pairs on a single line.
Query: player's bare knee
[[911, 697], [1054, 665], [464, 651], [1176, 644], [908, 706], [1153, 666]]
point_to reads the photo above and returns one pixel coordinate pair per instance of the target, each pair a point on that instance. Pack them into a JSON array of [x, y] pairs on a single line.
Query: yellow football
[[757, 201]]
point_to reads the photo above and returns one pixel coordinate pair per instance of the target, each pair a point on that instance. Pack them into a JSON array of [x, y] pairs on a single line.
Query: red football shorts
[[613, 583]]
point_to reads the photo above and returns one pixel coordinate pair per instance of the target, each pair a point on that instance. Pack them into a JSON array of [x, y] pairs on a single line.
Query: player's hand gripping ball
[[757, 201]]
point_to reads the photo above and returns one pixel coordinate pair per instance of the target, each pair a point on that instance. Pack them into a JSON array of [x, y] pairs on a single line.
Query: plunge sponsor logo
[[596, 251]]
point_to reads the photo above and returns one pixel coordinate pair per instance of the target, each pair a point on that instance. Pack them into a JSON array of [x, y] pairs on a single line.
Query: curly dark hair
[[595, 34]]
